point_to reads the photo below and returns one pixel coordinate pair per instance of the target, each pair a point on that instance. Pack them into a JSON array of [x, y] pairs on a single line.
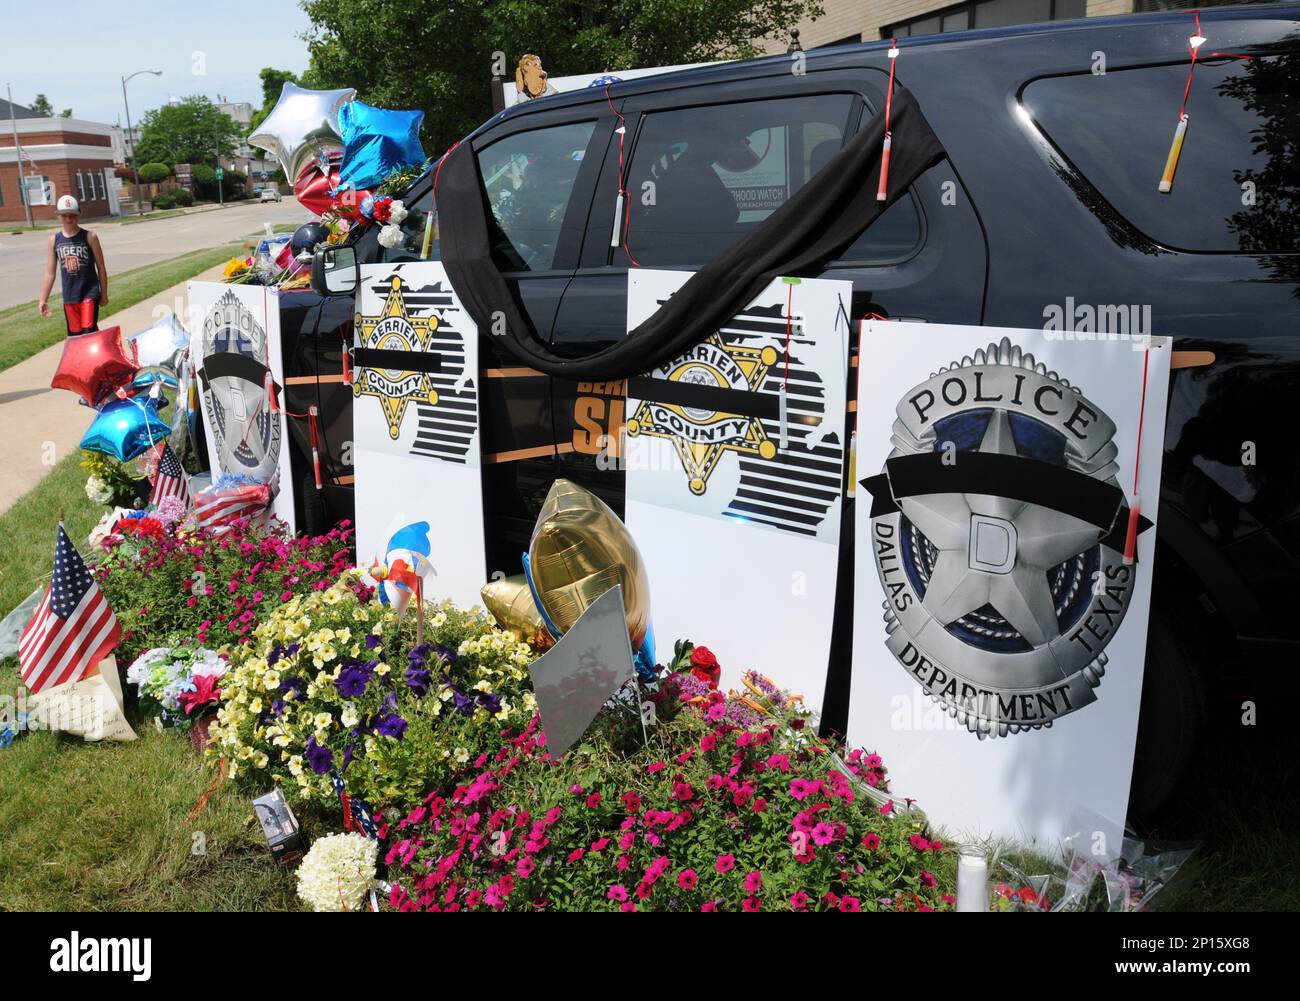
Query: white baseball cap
[[67, 204]]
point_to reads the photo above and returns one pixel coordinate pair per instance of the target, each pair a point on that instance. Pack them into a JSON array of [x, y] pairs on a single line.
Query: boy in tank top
[[77, 256]]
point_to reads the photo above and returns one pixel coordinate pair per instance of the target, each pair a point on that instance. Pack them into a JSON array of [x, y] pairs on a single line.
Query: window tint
[[413, 232], [701, 178], [529, 177], [1234, 188]]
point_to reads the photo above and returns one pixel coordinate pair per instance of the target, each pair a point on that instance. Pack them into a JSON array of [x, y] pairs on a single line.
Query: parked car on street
[[269, 195], [1044, 200]]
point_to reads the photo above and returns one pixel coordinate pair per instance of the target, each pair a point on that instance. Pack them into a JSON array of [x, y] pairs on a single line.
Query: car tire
[[315, 512], [1170, 718]]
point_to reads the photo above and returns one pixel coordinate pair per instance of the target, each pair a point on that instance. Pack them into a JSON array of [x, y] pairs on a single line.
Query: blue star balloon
[[376, 142], [126, 428]]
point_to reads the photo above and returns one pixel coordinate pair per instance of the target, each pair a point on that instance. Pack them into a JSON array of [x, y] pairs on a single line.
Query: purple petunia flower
[[464, 704], [353, 678], [446, 653], [490, 702], [418, 680], [390, 725], [319, 758], [372, 641], [418, 655]]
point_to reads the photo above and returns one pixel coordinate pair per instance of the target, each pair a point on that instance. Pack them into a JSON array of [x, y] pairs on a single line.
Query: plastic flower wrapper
[[337, 872], [103, 535], [171, 677]]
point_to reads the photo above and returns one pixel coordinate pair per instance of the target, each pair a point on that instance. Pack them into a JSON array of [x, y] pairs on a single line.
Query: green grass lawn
[[87, 827], [27, 529], [23, 332]]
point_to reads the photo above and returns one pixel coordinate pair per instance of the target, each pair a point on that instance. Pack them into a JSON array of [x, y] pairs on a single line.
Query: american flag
[[213, 507], [170, 479], [73, 629]]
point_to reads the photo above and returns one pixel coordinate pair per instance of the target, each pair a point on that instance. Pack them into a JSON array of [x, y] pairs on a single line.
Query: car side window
[[700, 178], [417, 228], [1238, 160], [528, 177]]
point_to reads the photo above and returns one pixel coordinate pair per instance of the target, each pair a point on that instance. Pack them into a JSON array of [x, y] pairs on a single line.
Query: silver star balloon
[[158, 344], [303, 125]]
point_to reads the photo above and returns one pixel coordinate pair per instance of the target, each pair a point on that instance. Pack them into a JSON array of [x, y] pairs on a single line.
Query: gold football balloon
[[579, 550], [510, 602]]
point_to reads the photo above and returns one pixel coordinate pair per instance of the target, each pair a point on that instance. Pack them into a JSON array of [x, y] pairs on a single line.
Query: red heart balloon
[[94, 365]]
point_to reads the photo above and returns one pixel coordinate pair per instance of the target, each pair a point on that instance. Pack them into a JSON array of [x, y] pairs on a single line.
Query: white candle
[[972, 883]]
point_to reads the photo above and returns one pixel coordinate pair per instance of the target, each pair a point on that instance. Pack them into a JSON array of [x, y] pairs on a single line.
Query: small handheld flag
[[73, 628]]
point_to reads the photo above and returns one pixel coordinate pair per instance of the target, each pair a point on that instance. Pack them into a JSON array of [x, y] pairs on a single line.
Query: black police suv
[[1044, 209]]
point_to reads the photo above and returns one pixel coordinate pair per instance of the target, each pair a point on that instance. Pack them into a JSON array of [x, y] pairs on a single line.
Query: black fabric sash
[[822, 219], [232, 364], [1056, 487], [397, 361]]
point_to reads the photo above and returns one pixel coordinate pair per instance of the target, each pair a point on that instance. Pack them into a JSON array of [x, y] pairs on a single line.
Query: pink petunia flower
[[687, 879], [617, 893], [871, 841], [753, 882], [751, 905], [725, 863], [799, 901]]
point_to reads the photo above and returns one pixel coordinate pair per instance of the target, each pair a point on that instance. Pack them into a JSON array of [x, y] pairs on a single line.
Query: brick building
[[847, 21], [74, 156]]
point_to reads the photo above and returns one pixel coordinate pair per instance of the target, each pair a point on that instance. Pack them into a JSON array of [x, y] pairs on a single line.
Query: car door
[[739, 150]]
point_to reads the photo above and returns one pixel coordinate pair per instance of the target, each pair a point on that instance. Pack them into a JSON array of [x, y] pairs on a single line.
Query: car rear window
[[1235, 186]]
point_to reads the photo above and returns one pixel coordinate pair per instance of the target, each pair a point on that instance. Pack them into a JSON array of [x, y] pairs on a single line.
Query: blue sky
[[78, 55]]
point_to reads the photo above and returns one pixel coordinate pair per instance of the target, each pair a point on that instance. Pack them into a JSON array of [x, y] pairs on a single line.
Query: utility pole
[[135, 174], [18, 156]]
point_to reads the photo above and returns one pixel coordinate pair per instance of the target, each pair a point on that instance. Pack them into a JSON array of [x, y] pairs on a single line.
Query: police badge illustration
[[410, 354], [415, 423], [244, 432], [712, 430], [998, 528]]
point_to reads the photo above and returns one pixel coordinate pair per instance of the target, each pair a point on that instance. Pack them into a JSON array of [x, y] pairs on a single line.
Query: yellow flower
[[234, 267]]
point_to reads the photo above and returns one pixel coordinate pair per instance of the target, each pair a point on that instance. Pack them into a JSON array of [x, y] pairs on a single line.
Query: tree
[[273, 81], [192, 131], [438, 57], [42, 106], [152, 173], [66, 113]]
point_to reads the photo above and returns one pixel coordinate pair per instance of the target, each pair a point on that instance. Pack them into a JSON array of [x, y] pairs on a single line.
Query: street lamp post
[[135, 173], [18, 160]]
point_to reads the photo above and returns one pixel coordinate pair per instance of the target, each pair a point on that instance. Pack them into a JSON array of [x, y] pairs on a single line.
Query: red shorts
[[82, 317]]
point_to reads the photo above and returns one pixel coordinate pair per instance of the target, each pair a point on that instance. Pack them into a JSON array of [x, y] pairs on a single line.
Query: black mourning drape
[[818, 223]]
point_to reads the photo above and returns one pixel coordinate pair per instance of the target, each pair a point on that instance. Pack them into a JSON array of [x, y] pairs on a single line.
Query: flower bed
[[207, 587], [724, 809], [329, 682]]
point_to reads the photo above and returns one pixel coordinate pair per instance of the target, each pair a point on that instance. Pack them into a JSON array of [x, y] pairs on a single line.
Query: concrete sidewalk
[[43, 425]]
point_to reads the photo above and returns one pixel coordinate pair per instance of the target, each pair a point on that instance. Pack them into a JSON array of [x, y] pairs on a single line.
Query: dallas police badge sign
[[995, 600], [734, 454], [998, 529]]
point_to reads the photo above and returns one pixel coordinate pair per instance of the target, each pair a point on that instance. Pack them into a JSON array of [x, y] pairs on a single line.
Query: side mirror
[[334, 271]]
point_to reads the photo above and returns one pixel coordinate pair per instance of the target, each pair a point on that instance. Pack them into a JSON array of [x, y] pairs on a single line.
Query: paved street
[[131, 246]]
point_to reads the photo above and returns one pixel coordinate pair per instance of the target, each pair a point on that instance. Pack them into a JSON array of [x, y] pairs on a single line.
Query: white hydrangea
[[337, 871], [98, 491], [391, 236]]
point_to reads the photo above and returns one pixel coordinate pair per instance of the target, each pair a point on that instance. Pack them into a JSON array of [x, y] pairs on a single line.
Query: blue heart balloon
[[376, 142], [126, 428]]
